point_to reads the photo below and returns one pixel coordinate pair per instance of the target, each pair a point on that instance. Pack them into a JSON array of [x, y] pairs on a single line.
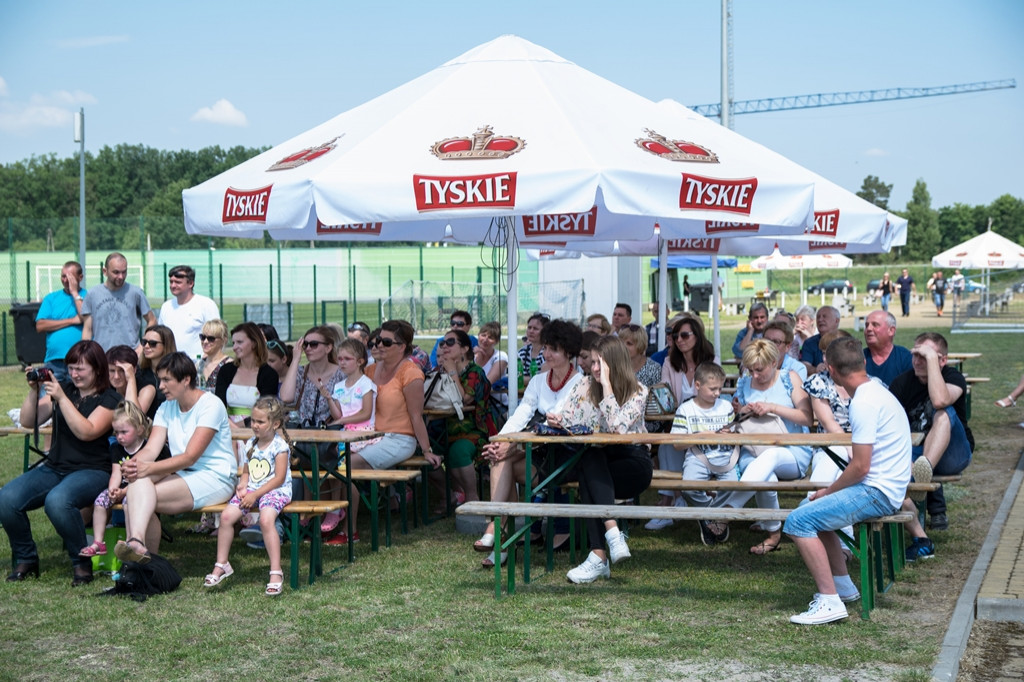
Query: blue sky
[[190, 74]]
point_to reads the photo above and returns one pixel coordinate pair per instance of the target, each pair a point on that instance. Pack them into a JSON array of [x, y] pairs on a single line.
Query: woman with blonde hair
[[212, 338], [610, 400], [767, 390], [599, 323]]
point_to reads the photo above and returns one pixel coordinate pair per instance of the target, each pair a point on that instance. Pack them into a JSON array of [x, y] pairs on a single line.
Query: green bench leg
[[295, 540]]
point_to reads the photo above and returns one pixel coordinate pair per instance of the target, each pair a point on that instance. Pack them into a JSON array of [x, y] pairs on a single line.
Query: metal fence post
[[220, 269], [28, 283], [314, 297], [165, 281], [270, 281]]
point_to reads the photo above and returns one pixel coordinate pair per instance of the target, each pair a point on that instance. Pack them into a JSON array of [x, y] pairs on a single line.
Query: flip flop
[[123, 551], [766, 546]]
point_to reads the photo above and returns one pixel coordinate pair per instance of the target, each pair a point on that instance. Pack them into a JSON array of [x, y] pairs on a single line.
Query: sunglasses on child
[[387, 343]]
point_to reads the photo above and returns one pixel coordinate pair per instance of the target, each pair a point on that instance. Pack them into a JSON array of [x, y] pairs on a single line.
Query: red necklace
[[565, 380]]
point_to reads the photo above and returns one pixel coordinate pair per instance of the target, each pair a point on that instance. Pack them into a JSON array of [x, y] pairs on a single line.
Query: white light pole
[[80, 138]]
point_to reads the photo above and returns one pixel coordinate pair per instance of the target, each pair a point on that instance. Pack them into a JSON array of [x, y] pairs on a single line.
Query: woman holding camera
[[77, 467]]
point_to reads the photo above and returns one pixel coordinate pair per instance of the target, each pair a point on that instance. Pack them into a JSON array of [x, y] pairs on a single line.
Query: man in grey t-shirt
[[113, 312]]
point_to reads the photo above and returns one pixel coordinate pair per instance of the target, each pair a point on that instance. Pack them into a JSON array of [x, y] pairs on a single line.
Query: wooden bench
[[296, 532], [868, 546], [377, 478]]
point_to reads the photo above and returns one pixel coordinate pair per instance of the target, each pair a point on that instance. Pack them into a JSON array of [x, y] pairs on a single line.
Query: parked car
[[970, 286], [830, 286]]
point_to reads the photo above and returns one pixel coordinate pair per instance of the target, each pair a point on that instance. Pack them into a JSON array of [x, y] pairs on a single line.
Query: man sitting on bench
[[873, 484], [934, 397]]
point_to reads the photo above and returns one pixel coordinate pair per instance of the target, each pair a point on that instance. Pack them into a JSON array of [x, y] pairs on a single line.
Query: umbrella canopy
[[987, 251], [777, 261], [508, 129]]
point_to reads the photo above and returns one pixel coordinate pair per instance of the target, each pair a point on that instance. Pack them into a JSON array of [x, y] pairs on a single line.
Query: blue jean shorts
[[838, 510]]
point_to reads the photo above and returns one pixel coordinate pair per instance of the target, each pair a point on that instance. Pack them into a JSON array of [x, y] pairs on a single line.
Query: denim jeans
[[62, 495], [842, 508], [958, 452]]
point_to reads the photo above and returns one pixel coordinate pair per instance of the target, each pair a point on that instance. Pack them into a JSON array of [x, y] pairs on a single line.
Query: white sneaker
[[589, 571], [822, 610], [617, 547], [658, 524]]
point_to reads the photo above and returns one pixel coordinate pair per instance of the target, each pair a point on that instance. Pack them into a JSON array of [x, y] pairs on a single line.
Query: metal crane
[[833, 99]]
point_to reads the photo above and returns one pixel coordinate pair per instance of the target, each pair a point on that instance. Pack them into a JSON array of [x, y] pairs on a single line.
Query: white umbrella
[[507, 129], [986, 252]]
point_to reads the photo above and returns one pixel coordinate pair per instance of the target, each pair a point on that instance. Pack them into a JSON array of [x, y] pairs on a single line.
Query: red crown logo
[[483, 144], [675, 150], [304, 156]]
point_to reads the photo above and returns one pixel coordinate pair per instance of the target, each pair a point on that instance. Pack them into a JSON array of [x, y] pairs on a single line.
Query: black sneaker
[[920, 548], [938, 522], [706, 536]]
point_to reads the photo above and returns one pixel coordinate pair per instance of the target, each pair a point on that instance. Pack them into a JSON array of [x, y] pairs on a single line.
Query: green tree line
[[931, 231], [133, 200]]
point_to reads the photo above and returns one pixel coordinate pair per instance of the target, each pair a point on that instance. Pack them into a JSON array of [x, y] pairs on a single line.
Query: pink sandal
[[331, 521], [97, 548]]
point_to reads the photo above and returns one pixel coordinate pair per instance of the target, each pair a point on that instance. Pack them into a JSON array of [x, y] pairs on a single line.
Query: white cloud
[[222, 112], [875, 151], [54, 110], [3, 87], [90, 41]]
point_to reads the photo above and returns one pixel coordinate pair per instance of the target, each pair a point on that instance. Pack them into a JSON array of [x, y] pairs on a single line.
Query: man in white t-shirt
[[873, 484], [187, 312]]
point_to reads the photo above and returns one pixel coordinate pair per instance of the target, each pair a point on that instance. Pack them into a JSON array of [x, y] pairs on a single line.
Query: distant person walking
[[905, 284], [937, 285], [958, 283], [885, 289]]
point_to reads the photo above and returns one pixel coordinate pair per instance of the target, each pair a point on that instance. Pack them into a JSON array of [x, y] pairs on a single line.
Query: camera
[[41, 374]]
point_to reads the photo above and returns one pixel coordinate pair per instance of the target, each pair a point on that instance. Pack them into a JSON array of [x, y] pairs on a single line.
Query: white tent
[[986, 252]]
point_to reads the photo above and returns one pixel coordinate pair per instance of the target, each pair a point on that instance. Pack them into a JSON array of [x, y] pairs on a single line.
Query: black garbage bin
[[700, 297], [29, 344]]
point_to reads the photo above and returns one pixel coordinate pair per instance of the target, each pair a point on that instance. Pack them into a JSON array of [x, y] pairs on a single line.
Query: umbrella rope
[[501, 238]]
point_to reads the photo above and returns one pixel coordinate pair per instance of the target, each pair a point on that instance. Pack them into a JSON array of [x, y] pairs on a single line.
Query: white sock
[[832, 599], [844, 584]]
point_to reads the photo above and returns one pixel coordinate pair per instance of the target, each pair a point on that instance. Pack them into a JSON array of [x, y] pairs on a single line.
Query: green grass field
[[424, 609]]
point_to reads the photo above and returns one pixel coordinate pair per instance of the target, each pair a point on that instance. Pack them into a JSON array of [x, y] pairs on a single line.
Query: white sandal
[[212, 579], [485, 543], [1008, 401], [275, 588]]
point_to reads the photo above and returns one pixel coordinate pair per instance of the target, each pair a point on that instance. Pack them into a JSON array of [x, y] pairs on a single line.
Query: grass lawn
[[424, 609]]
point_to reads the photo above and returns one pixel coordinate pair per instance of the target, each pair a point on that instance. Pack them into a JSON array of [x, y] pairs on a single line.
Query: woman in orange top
[[399, 407]]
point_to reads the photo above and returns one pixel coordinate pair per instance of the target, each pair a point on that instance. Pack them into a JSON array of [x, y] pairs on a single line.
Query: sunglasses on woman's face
[[387, 343], [151, 343], [683, 335], [449, 342], [313, 344], [204, 338]]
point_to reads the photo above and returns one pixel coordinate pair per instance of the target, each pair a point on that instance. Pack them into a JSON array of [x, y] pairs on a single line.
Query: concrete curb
[[947, 666]]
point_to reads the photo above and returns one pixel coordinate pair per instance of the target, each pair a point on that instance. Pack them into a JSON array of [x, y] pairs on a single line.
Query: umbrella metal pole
[[512, 313], [716, 297], [665, 296]]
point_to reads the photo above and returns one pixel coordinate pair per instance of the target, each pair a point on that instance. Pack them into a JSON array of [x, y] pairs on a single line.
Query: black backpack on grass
[[139, 581]]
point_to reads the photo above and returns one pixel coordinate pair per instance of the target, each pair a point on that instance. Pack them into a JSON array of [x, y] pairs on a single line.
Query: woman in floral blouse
[[466, 437], [610, 400]]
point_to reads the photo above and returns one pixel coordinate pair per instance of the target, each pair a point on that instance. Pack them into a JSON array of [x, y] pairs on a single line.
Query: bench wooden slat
[[596, 511], [801, 486], [386, 476]]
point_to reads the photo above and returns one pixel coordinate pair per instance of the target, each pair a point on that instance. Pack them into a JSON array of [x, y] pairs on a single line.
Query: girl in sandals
[[131, 429], [265, 484]]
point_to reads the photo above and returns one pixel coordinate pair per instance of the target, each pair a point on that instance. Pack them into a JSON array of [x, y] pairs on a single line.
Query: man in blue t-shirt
[[59, 317], [827, 321], [884, 360]]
